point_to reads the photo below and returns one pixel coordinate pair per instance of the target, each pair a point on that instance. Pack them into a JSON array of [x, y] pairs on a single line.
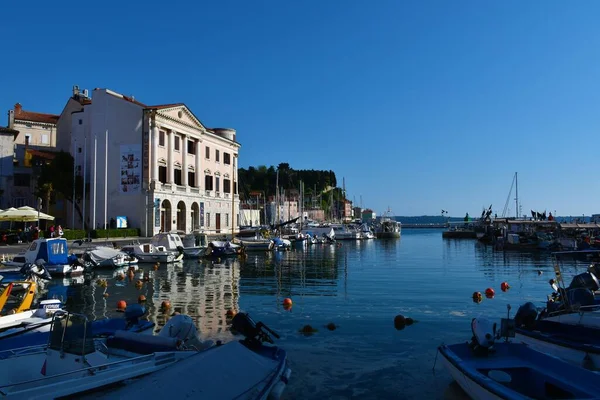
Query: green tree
[[57, 177]]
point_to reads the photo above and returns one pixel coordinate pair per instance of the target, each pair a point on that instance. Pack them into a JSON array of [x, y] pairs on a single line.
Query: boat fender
[[484, 332]]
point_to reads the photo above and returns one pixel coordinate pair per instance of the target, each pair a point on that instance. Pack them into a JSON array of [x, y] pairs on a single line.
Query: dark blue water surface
[[358, 286]]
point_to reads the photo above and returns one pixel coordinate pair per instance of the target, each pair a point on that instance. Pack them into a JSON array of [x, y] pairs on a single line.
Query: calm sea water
[[360, 287]]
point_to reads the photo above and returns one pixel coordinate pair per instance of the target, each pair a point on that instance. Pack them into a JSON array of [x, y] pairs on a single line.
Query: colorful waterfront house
[[368, 215]]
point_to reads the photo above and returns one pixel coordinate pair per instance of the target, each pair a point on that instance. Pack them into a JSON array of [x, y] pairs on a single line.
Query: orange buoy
[[165, 305], [105, 294], [121, 305], [141, 298], [489, 293], [287, 307], [399, 322], [287, 302], [230, 314], [504, 286], [477, 297]]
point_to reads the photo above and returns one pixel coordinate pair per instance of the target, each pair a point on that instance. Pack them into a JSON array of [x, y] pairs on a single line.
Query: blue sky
[[420, 105]]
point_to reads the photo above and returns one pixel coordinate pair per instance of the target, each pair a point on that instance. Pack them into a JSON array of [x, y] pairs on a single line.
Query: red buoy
[[141, 298], [165, 305], [489, 293], [121, 305], [504, 286], [287, 302]]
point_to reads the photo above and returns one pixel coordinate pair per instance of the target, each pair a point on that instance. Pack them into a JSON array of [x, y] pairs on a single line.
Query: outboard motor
[[48, 308], [182, 327], [526, 315], [484, 335], [255, 333], [585, 280], [30, 270], [133, 313]]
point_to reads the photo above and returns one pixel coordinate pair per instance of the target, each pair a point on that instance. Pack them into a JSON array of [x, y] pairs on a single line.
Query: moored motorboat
[[261, 370], [223, 248], [148, 253], [109, 257], [485, 369], [52, 252], [73, 362], [577, 344], [39, 333]]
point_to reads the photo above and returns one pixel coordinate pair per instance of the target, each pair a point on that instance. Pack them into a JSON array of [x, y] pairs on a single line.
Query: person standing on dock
[[466, 220]]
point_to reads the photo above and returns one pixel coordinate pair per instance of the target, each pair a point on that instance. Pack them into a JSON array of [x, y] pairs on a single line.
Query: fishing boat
[[73, 362], [387, 227], [485, 369], [53, 252], [148, 253]]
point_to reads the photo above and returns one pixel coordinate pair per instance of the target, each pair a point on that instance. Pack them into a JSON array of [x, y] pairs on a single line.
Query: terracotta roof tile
[[23, 115]]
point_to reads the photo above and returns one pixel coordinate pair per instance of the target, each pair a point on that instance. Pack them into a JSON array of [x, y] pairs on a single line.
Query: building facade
[[32, 146], [157, 167]]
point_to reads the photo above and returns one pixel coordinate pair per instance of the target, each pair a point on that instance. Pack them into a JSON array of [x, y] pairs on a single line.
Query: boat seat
[[140, 343]]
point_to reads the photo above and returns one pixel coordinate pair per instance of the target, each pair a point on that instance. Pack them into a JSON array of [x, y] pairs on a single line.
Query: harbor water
[[358, 286]]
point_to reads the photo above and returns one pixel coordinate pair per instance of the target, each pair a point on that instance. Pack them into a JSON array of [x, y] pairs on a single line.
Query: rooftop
[[31, 116]]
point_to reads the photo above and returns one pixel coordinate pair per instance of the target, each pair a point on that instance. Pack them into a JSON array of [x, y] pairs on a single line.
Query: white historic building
[[157, 166]]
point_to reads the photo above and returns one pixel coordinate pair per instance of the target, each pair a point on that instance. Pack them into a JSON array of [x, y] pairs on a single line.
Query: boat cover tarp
[[53, 251], [102, 253], [224, 372]]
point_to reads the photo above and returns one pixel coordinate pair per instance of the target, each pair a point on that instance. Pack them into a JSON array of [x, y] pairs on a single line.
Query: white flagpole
[[84, 179], [95, 182], [106, 181], [74, 175]]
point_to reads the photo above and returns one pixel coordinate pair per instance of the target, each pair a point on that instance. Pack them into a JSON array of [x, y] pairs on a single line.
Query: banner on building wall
[[156, 212], [146, 157], [201, 214], [131, 168]]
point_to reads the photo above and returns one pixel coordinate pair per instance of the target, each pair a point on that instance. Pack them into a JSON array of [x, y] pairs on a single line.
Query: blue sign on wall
[[121, 222], [157, 212], [201, 214]]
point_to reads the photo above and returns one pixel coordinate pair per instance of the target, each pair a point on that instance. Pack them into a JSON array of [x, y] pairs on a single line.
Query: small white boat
[[345, 232], [256, 244], [194, 244], [172, 242], [53, 253], [148, 253], [108, 257], [36, 320]]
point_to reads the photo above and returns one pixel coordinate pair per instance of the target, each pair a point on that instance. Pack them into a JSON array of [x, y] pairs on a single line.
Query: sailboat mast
[[516, 196]]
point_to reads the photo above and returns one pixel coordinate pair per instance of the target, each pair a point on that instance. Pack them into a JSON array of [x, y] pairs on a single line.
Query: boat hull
[[387, 235], [516, 371], [576, 355]]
